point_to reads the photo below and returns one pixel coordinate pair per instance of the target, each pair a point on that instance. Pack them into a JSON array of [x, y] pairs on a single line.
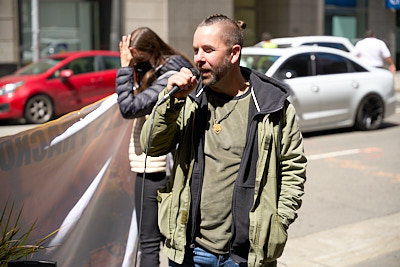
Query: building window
[[64, 26], [346, 18]]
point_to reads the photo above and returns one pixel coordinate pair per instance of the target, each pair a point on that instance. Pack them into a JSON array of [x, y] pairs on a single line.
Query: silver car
[[330, 88], [337, 42]]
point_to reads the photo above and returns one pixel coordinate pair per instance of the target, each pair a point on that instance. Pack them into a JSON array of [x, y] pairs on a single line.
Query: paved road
[[351, 208], [10, 128]]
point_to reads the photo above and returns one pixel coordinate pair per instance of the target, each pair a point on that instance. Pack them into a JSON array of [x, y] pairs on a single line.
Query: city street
[[350, 214], [70, 123]]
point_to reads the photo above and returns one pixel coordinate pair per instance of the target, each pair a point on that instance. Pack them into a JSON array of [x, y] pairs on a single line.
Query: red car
[[58, 84]]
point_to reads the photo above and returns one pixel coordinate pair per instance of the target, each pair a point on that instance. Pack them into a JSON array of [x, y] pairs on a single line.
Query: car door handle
[[94, 80], [314, 88]]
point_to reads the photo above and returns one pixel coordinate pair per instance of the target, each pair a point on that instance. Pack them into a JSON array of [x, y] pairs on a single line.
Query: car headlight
[[10, 87]]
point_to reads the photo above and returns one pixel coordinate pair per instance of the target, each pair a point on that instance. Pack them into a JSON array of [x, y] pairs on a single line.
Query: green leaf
[[13, 240]]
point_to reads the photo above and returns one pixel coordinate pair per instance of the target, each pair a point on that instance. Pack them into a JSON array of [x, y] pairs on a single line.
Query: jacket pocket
[[277, 239], [164, 212]]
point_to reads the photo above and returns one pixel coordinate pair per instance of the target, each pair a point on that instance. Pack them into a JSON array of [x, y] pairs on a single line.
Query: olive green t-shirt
[[223, 153]]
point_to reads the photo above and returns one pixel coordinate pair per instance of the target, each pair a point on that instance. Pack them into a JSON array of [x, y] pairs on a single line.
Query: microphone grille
[[195, 72]]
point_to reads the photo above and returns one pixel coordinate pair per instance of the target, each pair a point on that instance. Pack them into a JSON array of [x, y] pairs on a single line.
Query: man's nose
[[199, 57]]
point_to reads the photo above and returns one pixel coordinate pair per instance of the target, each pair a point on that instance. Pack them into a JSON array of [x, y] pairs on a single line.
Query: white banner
[[73, 174]]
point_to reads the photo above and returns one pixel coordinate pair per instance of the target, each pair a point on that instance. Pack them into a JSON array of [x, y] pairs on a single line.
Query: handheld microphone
[[176, 89]]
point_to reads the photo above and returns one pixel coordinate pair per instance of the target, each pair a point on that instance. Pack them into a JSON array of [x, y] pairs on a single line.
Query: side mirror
[[66, 73], [287, 74], [290, 74]]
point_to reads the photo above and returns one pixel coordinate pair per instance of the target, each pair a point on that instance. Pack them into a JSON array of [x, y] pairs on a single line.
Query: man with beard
[[239, 168]]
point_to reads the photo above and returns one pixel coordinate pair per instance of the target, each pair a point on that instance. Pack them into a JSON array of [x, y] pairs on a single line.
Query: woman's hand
[[125, 51]]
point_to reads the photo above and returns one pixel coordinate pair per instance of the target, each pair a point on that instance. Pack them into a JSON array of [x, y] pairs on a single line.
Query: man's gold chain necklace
[[217, 127]]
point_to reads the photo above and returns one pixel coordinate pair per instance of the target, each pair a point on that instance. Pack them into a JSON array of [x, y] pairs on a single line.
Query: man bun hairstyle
[[232, 33], [242, 25]]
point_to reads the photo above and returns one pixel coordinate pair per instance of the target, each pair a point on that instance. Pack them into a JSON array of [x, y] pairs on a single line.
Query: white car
[[337, 42], [330, 88]]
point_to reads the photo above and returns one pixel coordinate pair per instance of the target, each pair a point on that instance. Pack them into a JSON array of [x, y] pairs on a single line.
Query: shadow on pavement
[[384, 125]]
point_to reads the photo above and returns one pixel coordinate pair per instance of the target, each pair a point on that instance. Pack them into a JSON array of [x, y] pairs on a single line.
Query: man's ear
[[235, 53]]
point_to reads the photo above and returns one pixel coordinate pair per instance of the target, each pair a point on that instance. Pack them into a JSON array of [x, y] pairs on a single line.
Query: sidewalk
[[347, 245]]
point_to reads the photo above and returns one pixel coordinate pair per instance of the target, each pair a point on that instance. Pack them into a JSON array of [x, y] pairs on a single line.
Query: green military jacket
[[279, 168]]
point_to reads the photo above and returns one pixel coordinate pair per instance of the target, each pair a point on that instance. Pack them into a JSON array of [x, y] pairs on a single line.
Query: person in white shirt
[[373, 51]]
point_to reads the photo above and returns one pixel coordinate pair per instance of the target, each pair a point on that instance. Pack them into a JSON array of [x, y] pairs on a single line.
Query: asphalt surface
[[351, 210]]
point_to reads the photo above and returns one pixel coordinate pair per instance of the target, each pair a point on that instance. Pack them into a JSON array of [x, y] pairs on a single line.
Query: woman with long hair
[[146, 64]]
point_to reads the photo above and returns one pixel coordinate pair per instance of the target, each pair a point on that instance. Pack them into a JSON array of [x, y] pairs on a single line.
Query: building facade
[[67, 25]]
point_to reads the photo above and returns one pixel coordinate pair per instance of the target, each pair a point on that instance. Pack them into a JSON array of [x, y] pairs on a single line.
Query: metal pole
[[35, 30], [115, 31]]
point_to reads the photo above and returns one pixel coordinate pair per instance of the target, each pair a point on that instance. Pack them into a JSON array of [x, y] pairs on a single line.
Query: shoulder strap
[[278, 155]]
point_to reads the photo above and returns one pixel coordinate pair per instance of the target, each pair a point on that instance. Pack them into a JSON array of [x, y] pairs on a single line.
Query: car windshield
[[328, 44], [39, 67], [258, 62]]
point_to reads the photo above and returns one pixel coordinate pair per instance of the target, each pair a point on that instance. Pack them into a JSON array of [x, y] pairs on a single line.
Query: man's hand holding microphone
[[181, 84]]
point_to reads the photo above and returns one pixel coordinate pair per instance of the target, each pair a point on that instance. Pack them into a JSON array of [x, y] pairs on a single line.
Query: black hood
[[267, 96]]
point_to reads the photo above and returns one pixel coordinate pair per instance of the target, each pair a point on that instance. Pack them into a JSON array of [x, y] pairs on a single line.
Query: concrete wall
[[173, 20], [8, 35], [273, 17], [149, 13], [185, 15], [383, 22], [306, 17], [284, 18]]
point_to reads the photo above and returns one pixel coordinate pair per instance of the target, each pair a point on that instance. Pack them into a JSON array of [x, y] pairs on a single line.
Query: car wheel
[[39, 109], [370, 113]]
